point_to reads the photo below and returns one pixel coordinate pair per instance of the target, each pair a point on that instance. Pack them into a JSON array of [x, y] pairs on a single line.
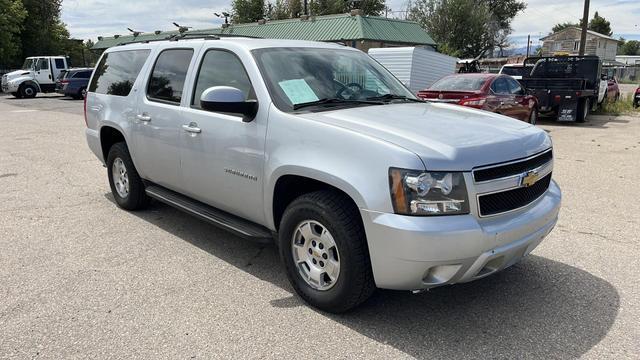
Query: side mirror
[[230, 100]]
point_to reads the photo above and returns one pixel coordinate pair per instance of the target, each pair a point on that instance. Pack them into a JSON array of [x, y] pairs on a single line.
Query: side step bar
[[219, 218]]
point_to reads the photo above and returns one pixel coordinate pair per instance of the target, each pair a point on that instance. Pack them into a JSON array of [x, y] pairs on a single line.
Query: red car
[[492, 92]]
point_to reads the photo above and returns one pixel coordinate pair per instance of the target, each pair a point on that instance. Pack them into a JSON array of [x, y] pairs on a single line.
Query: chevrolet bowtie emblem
[[529, 178]]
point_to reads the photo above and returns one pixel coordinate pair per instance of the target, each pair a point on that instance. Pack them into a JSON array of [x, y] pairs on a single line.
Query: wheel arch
[[110, 135], [32, 83], [292, 183]]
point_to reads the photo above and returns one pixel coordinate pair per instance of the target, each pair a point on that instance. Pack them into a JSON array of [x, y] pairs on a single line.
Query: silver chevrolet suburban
[[319, 147]]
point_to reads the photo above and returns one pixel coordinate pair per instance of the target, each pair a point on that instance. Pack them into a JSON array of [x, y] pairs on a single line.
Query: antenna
[[224, 15], [135, 33], [182, 29]]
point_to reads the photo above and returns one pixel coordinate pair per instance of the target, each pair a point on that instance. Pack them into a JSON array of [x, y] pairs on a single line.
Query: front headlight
[[428, 193]]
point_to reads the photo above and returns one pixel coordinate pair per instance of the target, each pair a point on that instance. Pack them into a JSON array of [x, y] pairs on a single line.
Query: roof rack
[[187, 36]]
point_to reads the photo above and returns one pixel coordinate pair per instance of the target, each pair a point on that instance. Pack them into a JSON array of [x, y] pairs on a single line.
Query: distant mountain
[[520, 51]]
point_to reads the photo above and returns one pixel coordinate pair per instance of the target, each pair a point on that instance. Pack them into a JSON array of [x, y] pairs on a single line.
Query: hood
[[444, 136], [17, 74]]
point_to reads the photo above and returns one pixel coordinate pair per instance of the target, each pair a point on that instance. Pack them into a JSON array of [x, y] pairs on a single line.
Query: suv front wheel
[[323, 246], [126, 185]]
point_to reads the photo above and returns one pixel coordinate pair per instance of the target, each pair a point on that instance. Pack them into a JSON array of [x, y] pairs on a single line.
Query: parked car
[[515, 70], [567, 86], [361, 184], [491, 92], [417, 67], [38, 74], [636, 98], [74, 82], [613, 89]]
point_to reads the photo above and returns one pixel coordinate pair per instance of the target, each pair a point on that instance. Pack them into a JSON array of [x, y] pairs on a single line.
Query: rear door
[[157, 125]]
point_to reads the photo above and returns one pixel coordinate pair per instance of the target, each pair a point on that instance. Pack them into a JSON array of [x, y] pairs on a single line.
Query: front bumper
[[411, 253], [9, 87]]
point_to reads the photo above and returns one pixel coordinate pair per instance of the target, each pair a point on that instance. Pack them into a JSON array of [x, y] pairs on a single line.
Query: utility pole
[[585, 23], [528, 43]]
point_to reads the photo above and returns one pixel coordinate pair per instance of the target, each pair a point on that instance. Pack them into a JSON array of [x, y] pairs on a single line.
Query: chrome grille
[[510, 186], [500, 202], [512, 168]]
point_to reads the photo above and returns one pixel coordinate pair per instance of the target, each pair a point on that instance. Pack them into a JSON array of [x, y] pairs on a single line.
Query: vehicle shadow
[[593, 121], [538, 308]]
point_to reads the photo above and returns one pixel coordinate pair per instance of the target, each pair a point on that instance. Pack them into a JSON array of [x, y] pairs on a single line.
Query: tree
[[597, 24], [277, 11], [246, 11], [600, 25], [44, 33], [466, 28], [631, 47], [295, 8], [12, 15], [559, 27]]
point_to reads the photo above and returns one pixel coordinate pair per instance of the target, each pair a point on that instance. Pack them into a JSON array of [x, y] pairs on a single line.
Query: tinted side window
[[59, 64], [117, 71], [515, 87], [221, 68], [500, 86], [169, 73]]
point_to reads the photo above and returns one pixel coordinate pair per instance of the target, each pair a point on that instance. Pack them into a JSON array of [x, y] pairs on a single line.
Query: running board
[[219, 218]]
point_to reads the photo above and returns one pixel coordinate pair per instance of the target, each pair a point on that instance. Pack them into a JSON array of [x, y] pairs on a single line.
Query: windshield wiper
[[335, 101], [389, 97]]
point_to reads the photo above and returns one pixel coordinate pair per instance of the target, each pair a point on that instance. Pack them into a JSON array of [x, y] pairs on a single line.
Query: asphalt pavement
[[80, 278]]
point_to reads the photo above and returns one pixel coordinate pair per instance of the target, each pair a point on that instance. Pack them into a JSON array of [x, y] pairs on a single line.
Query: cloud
[[90, 19]]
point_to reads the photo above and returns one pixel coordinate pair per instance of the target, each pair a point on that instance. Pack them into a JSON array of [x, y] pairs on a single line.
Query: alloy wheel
[[315, 255]]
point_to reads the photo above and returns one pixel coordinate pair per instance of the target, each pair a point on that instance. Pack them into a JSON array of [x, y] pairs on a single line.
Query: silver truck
[[37, 74], [320, 148]]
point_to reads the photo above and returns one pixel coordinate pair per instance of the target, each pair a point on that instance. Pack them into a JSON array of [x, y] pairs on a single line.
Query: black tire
[[80, 95], [28, 91], [136, 198], [533, 115], [17, 95], [583, 110], [341, 218]]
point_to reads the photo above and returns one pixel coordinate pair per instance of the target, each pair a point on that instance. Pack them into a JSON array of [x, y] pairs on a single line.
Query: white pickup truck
[[38, 74]]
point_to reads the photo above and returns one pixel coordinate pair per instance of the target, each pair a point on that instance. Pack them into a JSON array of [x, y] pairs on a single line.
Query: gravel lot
[[80, 278]]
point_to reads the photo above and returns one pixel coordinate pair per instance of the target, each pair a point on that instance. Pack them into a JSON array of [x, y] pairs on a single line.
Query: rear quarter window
[[82, 75], [59, 63], [117, 71]]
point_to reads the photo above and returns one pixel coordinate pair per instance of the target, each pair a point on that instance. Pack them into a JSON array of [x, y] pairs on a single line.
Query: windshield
[[28, 64], [297, 76], [459, 83], [513, 70]]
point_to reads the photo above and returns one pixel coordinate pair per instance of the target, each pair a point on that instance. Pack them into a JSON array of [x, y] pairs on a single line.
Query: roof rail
[[187, 36]]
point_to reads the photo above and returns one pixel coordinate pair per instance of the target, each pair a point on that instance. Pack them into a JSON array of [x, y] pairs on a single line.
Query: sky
[[88, 19]]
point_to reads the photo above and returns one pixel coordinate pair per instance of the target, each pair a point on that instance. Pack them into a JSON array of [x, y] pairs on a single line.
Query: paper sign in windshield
[[298, 91]]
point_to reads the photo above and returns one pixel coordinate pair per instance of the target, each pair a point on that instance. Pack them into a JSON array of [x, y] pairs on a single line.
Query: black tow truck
[[567, 86]]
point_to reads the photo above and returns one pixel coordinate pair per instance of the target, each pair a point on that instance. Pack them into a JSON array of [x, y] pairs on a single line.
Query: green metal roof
[[320, 28]]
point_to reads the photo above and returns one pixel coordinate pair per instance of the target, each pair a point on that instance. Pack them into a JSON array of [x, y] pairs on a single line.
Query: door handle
[[192, 128], [143, 117]]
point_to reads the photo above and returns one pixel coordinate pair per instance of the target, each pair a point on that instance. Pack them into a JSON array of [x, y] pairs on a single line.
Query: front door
[[157, 124], [521, 101], [222, 156], [43, 72]]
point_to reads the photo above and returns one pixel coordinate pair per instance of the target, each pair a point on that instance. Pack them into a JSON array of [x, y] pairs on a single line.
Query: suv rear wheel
[[126, 185], [323, 246]]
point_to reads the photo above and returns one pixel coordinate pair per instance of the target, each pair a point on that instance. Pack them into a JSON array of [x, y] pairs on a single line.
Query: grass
[[624, 105]]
